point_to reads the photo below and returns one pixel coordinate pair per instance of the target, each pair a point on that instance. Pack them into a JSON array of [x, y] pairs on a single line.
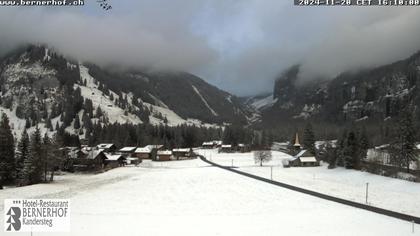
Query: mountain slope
[[41, 87]]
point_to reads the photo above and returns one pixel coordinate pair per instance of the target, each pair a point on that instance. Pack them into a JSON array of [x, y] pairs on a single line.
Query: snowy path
[[192, 198]]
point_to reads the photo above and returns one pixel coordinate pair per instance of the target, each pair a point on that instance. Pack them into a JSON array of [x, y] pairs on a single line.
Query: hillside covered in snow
[[40, 87]]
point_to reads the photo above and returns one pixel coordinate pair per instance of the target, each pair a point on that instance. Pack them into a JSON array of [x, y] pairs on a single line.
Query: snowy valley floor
[[193, 198]]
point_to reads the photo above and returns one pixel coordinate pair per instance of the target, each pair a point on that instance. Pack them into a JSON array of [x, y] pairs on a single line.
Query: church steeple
[[297, 144]]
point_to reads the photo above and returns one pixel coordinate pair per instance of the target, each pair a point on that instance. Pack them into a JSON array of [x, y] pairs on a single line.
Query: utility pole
[[271, 173], [412, 227], [367, 192]]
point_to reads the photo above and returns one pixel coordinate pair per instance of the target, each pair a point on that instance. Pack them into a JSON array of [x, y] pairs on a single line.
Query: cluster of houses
[[107, 156], [228, 148]]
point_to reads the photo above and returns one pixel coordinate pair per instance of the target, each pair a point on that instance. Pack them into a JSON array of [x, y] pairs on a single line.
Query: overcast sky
[[237, 45]]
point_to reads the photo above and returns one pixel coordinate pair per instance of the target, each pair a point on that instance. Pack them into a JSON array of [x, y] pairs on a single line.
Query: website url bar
[[42, 3]]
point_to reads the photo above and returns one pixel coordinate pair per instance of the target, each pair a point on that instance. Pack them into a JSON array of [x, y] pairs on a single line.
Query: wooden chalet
[[182, 153], [148, 152], [226, 148], [243, 148], [92, 160], [208, 145], [163, 155], [114, 160], [107, 147], [128, 151], [143, 153]]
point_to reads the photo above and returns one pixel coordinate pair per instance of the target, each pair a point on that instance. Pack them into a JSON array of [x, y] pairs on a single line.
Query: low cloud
[[240, 46]]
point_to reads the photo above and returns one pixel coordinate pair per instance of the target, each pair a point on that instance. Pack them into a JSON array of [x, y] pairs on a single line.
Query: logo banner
[[37, 215]]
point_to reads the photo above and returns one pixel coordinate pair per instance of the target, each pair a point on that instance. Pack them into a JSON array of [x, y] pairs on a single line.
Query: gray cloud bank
[[240, 46]]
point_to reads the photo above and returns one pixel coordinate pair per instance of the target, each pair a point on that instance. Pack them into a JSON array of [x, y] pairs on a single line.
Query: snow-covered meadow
[[192, 198], [389, 193]]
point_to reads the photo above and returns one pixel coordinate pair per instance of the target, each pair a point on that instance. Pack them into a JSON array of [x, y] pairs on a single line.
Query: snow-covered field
[[389, 193], [193, 198]]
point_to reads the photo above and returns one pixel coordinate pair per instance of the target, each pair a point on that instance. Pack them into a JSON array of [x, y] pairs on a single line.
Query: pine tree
[[46, 150], [341, 147], [36, 158], [7, 152], [48, 124], [363, 143], [21, 156], [403, 148], [352, 152], [99, 112], [27, 123], [309, 139], [77, 122]]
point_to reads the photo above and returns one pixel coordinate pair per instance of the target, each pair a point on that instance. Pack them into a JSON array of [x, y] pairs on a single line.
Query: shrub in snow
[[262, 156]]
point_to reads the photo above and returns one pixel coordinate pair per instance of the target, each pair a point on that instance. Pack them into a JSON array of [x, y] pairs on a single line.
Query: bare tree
[[262, 156]]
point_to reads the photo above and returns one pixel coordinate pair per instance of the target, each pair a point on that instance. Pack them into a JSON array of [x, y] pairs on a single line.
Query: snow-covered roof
[[299, 156], [320, 143], [382, 147], [151, 147], [217, 142], [208, 144], [241, 145], [105, 145], [300, 153], [111, 157], [164, 152], [93, 154], [307, 159], [143, 150], [128, 149], [226, 146], [181, 150]]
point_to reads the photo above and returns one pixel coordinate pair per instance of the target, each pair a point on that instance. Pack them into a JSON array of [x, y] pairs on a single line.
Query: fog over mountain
[[239, 46]]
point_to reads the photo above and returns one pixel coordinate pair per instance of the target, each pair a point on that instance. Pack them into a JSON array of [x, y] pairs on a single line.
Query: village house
[[217, 143], [243, 148], [379, 154], [143, 153], [208, 145], [303, 158], [93, 160], [226, 148], [182, 153], [164, 155], [128, 151], [148, 152], [212, 144], [114, 160], [107, 147]]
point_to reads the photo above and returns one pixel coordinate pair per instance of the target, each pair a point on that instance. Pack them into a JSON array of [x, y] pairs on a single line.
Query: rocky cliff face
[[376, 94]]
